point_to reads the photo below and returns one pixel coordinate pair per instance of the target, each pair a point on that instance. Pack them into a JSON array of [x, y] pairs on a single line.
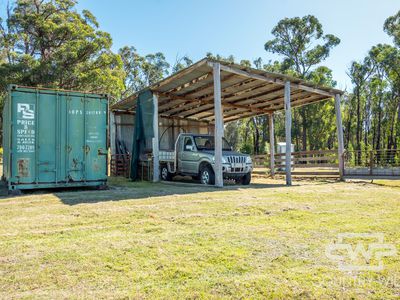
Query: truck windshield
[[207, 143]]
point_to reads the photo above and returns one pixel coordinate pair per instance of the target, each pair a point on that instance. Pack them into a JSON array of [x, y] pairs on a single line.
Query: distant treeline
[[49, 43]]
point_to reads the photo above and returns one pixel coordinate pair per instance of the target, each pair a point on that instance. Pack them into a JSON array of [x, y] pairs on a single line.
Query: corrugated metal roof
[[189, 93]]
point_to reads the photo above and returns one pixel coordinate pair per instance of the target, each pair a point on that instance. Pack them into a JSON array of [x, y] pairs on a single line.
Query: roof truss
[[189, 94]]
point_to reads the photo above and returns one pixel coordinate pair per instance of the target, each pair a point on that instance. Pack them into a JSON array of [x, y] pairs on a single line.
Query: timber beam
[[274, 80], [203, 102]]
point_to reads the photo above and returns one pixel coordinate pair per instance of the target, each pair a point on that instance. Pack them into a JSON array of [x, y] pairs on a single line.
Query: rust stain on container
[[23, 167]]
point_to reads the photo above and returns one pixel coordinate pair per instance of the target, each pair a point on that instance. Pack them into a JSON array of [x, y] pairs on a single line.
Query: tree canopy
[[302, 43], [49, 43]]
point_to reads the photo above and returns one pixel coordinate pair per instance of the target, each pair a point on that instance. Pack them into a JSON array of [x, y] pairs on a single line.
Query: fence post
[[371, 162]]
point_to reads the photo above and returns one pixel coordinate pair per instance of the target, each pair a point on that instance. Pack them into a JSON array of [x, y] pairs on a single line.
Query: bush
[[246, 148]]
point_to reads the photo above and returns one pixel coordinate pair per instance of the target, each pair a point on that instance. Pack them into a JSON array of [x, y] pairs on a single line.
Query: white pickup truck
[[194, 156]]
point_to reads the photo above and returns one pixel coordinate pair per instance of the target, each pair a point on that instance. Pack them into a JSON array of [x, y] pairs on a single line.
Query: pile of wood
[[120, 165]]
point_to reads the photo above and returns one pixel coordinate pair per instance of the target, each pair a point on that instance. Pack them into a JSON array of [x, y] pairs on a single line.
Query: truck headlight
[[224, 161], [248, 160]]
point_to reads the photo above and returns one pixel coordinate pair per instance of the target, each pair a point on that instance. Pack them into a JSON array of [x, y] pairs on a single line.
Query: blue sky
[[239, 27]]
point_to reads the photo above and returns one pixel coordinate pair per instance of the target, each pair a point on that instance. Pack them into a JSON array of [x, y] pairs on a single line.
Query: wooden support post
[[112, 132], [339, 126], [288, 131], [271, 144], [112, 140], [156, 148], [219, 126]]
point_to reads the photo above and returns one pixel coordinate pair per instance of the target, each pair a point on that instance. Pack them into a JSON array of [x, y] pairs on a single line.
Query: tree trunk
[[358, 130], [398, 123], [256, 137], [378, 136], [296, 130], [265, 131], [304, 128], [390, 144], [348, 128]]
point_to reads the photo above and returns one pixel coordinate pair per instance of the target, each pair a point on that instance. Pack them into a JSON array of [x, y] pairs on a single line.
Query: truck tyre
[[207, 175], [246, 179], [165, 174], [15, 192]]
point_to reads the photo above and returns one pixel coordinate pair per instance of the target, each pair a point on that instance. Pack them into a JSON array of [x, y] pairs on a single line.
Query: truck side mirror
[[189, 148]]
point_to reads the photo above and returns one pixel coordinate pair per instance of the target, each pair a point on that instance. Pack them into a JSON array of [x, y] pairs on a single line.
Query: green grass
[[143, 240]]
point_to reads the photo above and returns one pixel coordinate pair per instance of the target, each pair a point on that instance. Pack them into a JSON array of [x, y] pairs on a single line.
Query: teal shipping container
[[54, 138]]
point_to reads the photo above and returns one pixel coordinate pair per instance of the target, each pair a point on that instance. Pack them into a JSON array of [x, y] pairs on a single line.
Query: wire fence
[[385, 162]]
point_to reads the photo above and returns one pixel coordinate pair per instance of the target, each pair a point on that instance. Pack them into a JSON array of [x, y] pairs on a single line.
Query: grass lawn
[[143, 240]]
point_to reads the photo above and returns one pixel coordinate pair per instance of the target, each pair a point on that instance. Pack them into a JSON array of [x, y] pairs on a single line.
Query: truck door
[[188, 156]]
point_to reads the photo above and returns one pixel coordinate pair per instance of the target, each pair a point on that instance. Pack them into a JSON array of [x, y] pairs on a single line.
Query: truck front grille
[[236, 159]]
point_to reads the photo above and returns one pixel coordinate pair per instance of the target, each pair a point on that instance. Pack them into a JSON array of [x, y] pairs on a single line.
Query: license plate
[[237, 165]]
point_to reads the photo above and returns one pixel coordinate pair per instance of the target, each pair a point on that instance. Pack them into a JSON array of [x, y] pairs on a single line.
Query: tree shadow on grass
[[123, 189], [143, 190]]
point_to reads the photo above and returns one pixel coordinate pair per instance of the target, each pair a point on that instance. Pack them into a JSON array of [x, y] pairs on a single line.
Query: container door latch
[[101, 151]]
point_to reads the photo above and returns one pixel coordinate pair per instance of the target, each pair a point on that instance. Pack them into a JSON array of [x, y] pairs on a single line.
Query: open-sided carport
[[211, 93]]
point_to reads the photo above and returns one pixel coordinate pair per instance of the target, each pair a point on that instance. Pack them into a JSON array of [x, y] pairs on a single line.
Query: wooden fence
[[306, 163]]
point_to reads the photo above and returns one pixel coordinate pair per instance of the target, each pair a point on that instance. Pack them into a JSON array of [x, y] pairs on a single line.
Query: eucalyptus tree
[[132, 64], [387, 60], [392, 27], [142, 71], [359, 73], [181, 63], [303, 45], [49, 43]]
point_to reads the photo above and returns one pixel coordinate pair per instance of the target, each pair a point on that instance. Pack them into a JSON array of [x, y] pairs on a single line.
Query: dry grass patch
[[143, 240]]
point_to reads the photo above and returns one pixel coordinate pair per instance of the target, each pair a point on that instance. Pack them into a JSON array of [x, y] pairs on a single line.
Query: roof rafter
[[273, 80], [202, 102], [191, 82]]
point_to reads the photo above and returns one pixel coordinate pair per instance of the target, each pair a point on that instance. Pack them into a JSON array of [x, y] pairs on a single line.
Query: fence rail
[[308, 163]]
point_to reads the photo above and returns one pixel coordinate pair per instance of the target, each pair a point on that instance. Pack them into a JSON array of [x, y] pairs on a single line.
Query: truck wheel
[[207, 175], [246, 179], [15, 192], [165, 174]]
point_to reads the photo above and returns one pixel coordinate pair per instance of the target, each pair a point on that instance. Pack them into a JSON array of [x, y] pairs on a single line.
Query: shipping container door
[[75, 144], [47, 135], [96, 138]]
